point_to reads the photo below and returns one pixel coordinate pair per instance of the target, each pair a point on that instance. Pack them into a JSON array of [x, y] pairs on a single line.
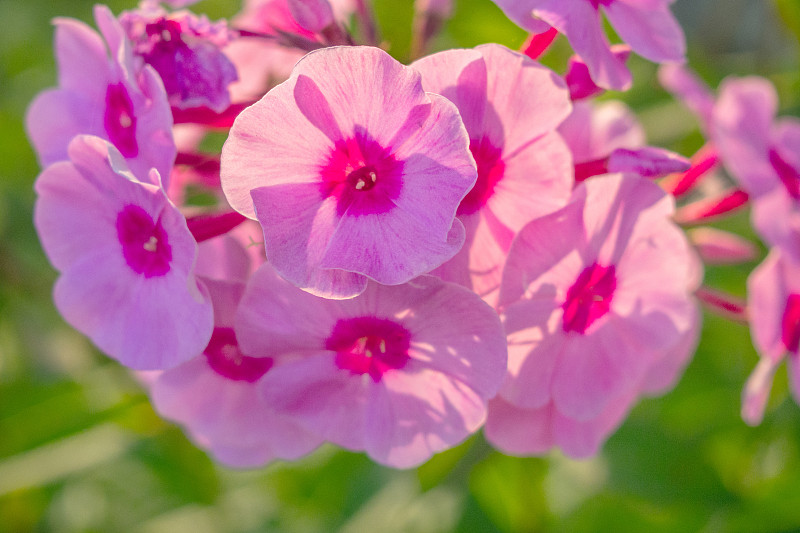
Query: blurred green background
[[81, 450]]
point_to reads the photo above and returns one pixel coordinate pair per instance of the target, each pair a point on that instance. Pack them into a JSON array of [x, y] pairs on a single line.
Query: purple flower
[[763, 155], [186, 51], [353, 171], [647, 26], [401, 372], [773, 301], [597, 305], [125, 256], [109, 98], [215, 396], [511, 107]]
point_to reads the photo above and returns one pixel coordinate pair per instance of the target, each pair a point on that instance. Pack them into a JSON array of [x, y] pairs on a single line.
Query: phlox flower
[[186, 51], [773, 302], [763, 155], [401, 372], [597, 306], [760, 152], [215, 395], [647, 26], [109, 98], [353, 171], [511, 107], [125, 256]]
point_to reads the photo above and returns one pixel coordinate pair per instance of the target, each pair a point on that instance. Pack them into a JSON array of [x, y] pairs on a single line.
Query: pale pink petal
[[517, 431], [665, 373], [582, 439], [81, 55], [743, 119], [592, 371], [416, 424], [298, 237], [593, 131], [651, 30], [525, 99], [580, 22], [325, 399], [719, 247]]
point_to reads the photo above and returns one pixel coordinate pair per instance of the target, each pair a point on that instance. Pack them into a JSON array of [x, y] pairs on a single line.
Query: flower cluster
[[385, 256]]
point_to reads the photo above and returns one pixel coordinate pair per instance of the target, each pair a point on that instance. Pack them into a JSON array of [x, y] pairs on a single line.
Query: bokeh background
[[81, 450]]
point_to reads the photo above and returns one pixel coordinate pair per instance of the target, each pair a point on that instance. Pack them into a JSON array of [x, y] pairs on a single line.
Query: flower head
[[186, 51], [773, 294], [594, 296], [353, 171], [401, 372], [109, 98], [125, 256]]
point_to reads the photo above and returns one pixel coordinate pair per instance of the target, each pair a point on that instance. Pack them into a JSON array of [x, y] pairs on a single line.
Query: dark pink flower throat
[[369, 345], [589, 298], [226, 359], [490, 171], [790, 324], [790, 176], [145, 244], [119, 120], [364, 177]]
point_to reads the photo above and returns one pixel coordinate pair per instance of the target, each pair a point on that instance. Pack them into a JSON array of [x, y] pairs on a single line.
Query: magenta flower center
[[145, 244], [790, 325], [363, 176], [491, 168], [226, 359], [597, 3], [589, 298], [120, 121], [790, 176], [369, 345]]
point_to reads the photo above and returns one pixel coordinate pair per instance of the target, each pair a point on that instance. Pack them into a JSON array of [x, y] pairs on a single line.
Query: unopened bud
[[312, 15]]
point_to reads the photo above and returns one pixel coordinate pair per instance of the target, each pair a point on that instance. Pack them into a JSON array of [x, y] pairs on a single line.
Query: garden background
[[81, 450]]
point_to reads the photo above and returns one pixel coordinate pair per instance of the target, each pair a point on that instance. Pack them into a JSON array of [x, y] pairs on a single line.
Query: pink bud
[[312, 15], [538, 43], [648, 161], [717, 247], [730, 200], [704, 161]]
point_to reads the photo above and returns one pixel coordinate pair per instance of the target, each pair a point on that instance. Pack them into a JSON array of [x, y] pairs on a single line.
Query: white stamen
[[383, 346], [151, 245], [125, 120]]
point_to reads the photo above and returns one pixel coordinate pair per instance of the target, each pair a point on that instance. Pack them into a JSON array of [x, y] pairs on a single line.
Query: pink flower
[[109, 98], [773, 301], [401, 372], [186, 51], [646, 25], [595, 297], [215, 396], [763, 155], [353, 171], [524, 167], [125, 256]]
